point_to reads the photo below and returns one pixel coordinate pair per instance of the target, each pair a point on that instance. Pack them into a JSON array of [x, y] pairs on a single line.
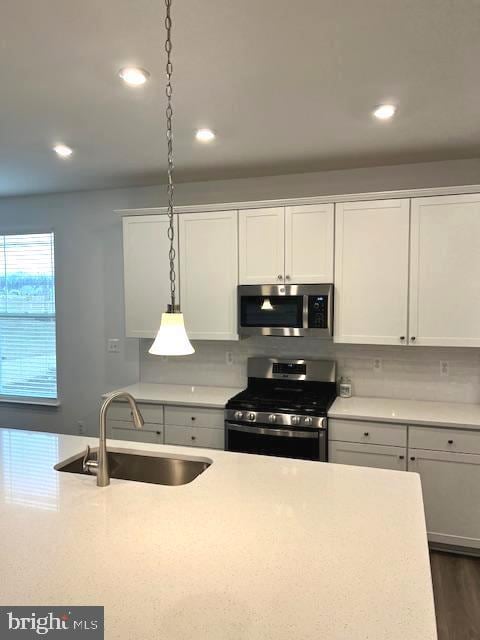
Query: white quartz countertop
[[443, 414], [255, 548], [181, 394]]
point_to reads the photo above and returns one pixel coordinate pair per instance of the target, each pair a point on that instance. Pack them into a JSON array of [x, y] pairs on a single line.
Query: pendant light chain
[[169, 115]]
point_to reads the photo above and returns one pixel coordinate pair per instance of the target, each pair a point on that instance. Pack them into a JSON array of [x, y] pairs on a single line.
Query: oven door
[[286, 443]]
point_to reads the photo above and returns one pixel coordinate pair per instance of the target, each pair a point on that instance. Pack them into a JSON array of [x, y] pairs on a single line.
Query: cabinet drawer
[[194, 417], [149, 433], [368, 432], [368, 455], [152, 413], [440, 439], [195, 437]]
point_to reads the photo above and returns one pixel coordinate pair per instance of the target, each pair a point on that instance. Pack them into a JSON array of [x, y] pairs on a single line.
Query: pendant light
[[172, 339]]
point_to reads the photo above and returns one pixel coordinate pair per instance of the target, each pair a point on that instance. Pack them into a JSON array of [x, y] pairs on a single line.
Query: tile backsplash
[[377, 371]]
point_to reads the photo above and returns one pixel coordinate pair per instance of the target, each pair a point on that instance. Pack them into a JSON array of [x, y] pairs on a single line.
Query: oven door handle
[[267, 431]]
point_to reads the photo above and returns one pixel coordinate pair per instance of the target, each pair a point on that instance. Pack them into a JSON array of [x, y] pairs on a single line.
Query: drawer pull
[[402, 338], [366, 434], [159, 433], [401, 457], [450, 442], [412, 458]]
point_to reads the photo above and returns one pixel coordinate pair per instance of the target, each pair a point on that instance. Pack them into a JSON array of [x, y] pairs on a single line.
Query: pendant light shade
[[172, 339]]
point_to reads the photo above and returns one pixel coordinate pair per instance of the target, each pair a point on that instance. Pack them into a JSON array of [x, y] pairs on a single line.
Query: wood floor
[[456, 587]]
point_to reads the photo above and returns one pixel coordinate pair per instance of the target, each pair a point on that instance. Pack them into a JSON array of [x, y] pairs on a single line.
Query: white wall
[[90, 298]]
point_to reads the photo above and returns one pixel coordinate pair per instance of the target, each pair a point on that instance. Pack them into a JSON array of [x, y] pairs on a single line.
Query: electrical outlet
[[113, 345], [229, 357], [444, 368], [377, 365], [81, 428]]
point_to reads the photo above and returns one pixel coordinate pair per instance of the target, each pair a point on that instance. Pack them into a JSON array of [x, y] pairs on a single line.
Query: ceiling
[[287, 86]]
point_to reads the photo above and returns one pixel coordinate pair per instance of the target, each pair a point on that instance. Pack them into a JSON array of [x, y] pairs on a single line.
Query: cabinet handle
[[194, 437], [159, 433], [450, 442], [287, 277], [402, 338], [366, 434], [193, 418], [412, 458], [413, 339], [401, 457], [280, 277]]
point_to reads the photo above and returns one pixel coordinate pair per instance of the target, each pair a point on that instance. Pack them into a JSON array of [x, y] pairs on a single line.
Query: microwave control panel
[[318, 312]]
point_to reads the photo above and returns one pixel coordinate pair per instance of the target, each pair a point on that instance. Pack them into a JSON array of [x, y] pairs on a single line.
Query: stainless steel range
[[283, 410]]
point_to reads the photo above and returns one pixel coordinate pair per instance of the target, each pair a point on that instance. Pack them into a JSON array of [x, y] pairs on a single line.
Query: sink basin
[[143, 468]]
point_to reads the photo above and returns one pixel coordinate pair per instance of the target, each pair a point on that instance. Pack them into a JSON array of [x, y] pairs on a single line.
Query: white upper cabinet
[[309, 244], [209, 274], [445, 271], [292, 245], [146, 273], [371, 272], [262, 246]]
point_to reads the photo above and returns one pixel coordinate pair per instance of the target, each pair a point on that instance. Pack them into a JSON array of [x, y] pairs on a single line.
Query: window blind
[[28, 367]]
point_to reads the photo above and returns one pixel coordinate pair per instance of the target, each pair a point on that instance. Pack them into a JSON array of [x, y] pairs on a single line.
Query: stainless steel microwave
[[285, 310]]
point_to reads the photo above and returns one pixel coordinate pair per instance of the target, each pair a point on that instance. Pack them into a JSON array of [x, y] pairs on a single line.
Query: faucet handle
[[89, 466]]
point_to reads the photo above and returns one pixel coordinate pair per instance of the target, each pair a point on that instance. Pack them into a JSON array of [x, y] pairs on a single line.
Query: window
[[28, 363]]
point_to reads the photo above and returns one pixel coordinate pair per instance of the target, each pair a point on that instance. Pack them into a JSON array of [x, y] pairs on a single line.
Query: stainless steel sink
[[143, 468]]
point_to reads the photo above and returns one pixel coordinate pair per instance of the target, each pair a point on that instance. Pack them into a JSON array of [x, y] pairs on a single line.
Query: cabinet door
[[368, 455], [371, 272], [445, 271], [262, 246], [451, 495], [309, 244], [209, 274], [146, 273]]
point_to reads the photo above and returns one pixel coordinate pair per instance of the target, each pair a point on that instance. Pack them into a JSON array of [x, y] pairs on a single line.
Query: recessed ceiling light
[[62, 150], [204, 135], [385, 111], [134, 76]]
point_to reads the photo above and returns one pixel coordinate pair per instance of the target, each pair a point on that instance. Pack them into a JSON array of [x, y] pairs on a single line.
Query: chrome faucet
[[99, 467]]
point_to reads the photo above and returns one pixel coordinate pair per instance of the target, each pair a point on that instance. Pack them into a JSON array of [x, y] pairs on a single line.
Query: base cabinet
[[447, 460], [368, 455], [451, 494]]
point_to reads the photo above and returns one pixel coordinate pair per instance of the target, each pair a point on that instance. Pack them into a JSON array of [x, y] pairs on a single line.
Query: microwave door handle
[[305, 311], [266, 431]]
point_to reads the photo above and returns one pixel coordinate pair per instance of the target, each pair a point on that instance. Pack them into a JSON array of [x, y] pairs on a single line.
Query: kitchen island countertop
[[255, 548]]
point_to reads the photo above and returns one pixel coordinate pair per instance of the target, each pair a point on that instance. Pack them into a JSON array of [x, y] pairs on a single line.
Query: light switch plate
[[113, 345]]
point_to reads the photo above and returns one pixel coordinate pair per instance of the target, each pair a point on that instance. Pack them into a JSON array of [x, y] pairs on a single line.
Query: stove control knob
[[307, 421], [238, 415], [251, 416], [272, 417], [295, 419]]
